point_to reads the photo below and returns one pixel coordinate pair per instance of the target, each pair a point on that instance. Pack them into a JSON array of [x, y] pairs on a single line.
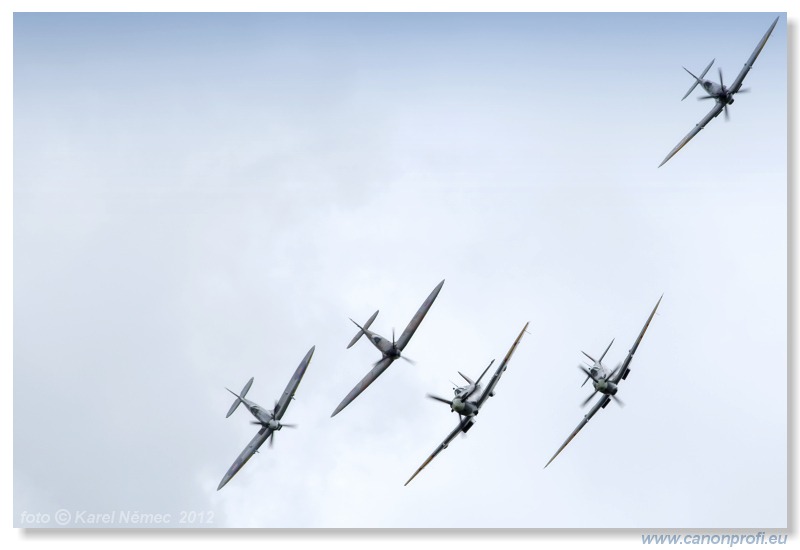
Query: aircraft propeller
[[400, 355], [588, 399], [590, 375], [722, 85], [613, 372], [724, 93], [272, 435], [442, 399]]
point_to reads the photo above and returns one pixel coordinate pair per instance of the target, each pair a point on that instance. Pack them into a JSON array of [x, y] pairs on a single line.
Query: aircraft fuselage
[[387, 348], [464, 408], [601, 375], [720, 93], [463, 403], [262, 415]]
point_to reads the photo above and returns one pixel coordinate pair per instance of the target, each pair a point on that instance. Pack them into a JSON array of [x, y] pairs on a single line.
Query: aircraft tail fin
[[239, 397], [361, 329], [697, 80], [604, 353]]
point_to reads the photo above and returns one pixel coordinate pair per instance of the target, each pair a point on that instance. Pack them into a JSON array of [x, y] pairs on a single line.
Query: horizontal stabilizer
[[360, 332], [608, 348], [465, 377], [244, 391], [697, 80], [484, 372]]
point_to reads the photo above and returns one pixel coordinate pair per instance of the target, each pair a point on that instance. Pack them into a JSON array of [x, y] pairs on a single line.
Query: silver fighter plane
[[605, 382], [468, 401], [722, 95], [268, 420], [390, 351]]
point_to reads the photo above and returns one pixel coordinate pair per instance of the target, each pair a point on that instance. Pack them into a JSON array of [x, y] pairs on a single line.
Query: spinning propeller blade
[[613, 372], [588, 399], [442, 399]]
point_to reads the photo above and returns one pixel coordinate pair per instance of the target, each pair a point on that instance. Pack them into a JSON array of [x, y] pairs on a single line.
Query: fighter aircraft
[[605, 381], [468, 401], [722, 95], [268, 420], [390, 351]]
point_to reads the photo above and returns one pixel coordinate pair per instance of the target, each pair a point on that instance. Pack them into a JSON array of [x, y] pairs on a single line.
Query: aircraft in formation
[[390, 351], [468, 400], [722, 95], [605, 382], [270, 421]]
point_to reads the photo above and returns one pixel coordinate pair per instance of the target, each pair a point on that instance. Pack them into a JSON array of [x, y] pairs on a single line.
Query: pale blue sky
[[200, 198]]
